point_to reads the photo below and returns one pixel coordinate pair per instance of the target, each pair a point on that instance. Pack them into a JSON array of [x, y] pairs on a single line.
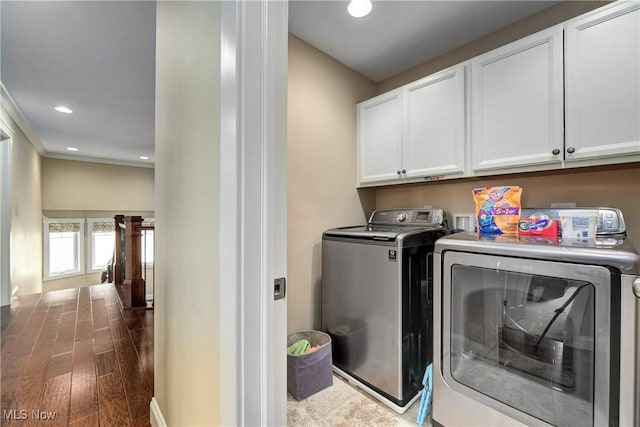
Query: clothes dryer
[[538, 330]]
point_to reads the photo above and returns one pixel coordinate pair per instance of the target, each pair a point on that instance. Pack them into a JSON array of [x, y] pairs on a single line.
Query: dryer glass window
[[525, 340]]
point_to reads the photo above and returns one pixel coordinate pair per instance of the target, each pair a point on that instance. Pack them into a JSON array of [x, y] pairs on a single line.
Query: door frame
[[253, 241], [6, 149]]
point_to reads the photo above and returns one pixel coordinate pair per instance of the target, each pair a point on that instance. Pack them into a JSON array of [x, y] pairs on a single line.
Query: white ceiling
[[98, 58], [398, 35]]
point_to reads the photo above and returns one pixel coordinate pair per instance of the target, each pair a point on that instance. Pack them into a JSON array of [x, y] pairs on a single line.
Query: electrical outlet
[[464, 221]]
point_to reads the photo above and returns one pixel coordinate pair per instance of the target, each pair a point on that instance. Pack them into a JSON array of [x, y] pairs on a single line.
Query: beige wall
[[88, 280], [26, 213], [73, 185], [73, 281], [615, 186], [72, 189], [187, 359], [545, 19], [321, 180]]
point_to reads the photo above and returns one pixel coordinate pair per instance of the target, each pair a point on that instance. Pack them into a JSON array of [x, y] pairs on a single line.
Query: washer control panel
[[408, 217]]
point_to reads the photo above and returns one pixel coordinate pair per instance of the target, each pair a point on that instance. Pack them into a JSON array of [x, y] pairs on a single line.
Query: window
[[102, 236], [146, 245], [63, 248]]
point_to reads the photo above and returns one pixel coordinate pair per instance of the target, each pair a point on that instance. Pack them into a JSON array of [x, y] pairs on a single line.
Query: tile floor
[[343, 405]]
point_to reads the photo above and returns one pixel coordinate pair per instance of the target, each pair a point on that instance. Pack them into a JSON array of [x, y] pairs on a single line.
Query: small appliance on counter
[[377, 301], [538, 329]]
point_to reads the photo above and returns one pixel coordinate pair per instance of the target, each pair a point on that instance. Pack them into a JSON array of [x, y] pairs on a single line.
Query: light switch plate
[[279, 288]]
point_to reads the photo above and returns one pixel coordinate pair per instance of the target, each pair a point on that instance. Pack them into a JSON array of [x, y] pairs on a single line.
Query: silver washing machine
[[377, 301], [537, 330]]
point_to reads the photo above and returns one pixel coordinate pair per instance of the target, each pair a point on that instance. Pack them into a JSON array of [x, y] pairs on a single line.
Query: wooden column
[[133, 282], [118, 259]]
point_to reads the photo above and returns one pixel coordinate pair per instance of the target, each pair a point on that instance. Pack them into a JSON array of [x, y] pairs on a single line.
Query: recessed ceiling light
[[144, 158], [72, 149], [63, 109], [359, 8]]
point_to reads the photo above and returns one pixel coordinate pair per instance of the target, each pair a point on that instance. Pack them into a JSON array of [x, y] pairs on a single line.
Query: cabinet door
[[602, 60], [517, 108], [435, 131], [379, 137]]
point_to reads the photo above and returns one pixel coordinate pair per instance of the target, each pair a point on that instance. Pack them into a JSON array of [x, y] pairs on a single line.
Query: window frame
[[90, 241], [47, 276], [148, 222]]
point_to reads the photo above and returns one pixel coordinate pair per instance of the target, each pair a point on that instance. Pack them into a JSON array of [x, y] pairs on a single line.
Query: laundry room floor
[[343, 405]]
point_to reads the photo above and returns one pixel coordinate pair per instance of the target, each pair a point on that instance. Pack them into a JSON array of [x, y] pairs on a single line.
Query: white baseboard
[[14, 292], [156, 418]]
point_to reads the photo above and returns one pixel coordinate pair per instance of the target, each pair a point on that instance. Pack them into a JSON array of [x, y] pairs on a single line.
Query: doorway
[[5, 213]]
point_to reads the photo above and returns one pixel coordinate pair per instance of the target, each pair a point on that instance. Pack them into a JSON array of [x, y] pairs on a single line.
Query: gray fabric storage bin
[[309, 373]]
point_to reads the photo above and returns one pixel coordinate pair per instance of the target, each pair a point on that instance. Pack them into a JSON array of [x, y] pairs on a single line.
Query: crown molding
[[99, 160], [9, 105]]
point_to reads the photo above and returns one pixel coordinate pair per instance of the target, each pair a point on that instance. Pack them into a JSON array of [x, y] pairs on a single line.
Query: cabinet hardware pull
[[398, 171], [571, 150], [555, 152], [636, 287], [404, 171]]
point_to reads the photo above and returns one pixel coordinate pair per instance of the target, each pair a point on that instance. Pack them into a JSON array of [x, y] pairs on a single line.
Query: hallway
[[75, 357]]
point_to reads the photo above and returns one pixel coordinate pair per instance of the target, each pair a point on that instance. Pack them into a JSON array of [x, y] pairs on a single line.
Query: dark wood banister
[[127, 269]]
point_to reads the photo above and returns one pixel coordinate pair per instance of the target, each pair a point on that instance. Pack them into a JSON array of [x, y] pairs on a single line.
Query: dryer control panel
[[610, 221]]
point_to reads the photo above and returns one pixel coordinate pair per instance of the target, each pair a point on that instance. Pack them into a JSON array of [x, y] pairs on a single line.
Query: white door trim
[[230, 402], [6, 148], [156, 417], [253, 212]]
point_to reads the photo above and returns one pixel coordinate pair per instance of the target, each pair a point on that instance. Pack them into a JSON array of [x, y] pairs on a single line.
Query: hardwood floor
[[77, 354]]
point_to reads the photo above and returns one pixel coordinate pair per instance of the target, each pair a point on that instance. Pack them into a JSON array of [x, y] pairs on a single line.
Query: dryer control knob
[[402, 217], [636, 287]]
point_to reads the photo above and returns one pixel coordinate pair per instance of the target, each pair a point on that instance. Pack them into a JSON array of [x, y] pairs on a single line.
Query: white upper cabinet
[[517, 105], [602, 83], [379, 138], [564, 97], [414, 133], [434, 129]]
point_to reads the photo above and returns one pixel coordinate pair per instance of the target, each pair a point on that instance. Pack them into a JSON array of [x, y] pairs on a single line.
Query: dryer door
[[529, 338]]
